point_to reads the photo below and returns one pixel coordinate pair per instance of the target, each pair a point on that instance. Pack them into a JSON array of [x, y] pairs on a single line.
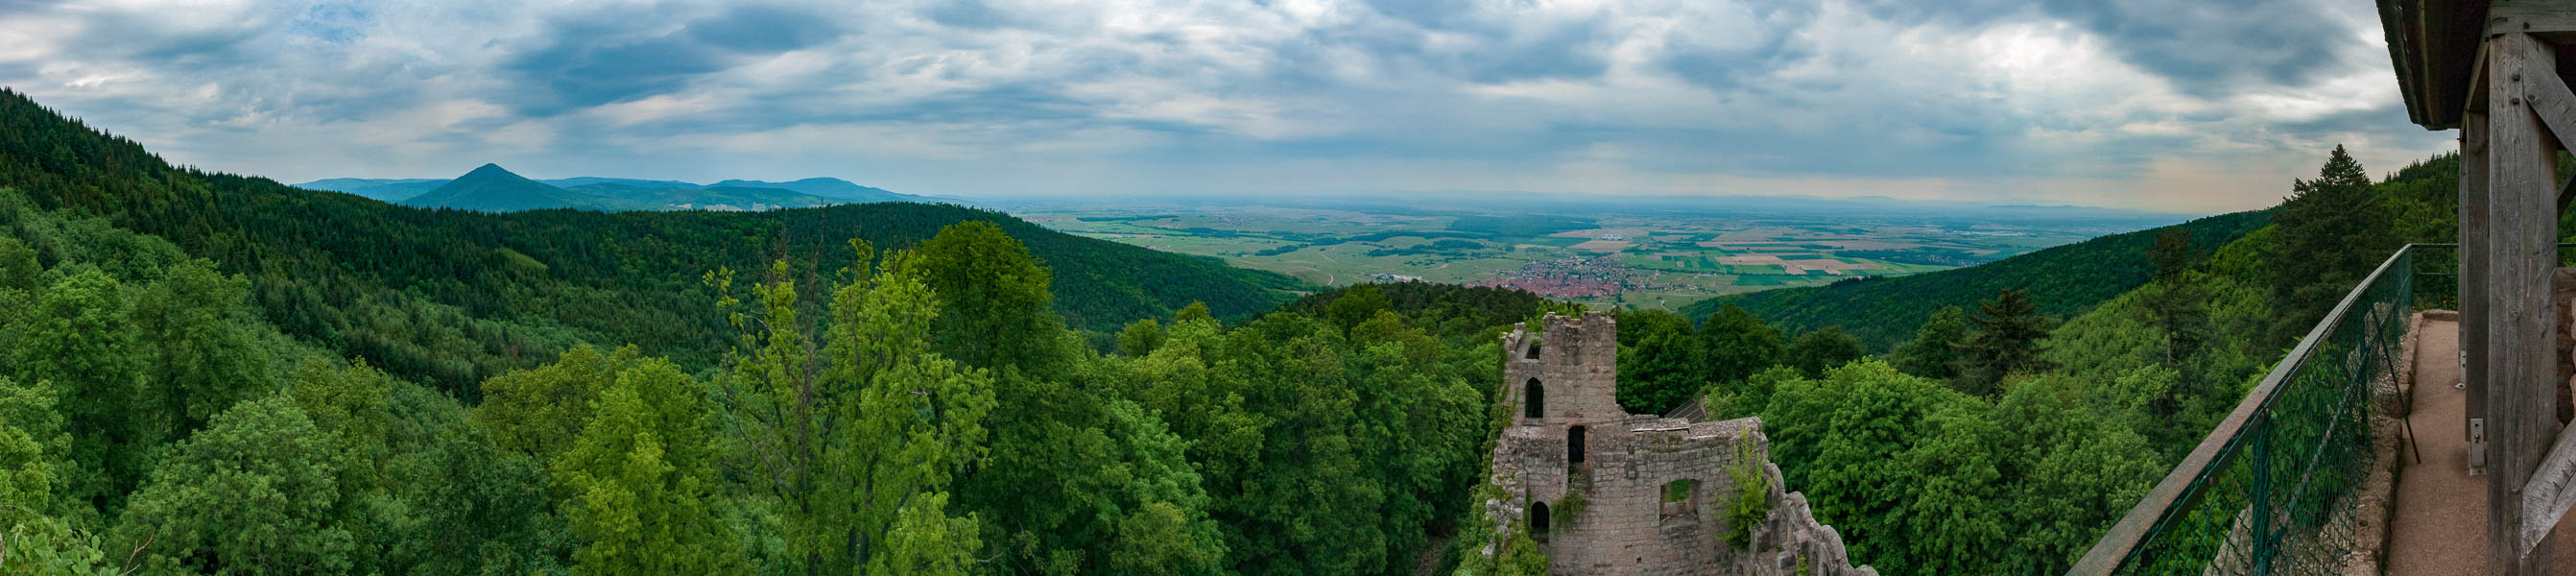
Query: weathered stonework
[[1569, 438]]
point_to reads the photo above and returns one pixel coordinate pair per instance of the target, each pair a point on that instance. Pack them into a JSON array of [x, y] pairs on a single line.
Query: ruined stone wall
[[1607, 513], [1577, 367]]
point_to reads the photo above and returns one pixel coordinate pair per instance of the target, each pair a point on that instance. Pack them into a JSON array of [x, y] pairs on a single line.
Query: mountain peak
[[491, 188]]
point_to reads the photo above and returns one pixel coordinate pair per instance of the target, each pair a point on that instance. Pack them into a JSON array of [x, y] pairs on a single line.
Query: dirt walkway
[[2439, 524]]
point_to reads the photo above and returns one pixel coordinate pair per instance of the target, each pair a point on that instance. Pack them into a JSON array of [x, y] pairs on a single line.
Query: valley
[[1655, 257]]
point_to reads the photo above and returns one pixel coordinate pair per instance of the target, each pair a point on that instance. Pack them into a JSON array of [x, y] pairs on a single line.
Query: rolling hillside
[[451, 296], [383, 189], [2065, 281], [825, 187]]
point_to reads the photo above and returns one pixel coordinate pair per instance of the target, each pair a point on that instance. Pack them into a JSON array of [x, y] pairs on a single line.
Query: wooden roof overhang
[[2434, 45]]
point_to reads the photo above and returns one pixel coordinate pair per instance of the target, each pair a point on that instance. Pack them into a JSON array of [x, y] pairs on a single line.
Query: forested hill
[[2064, 280], [453, 297]]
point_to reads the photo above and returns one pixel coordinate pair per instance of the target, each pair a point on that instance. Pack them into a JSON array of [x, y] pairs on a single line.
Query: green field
[[1610, 260]]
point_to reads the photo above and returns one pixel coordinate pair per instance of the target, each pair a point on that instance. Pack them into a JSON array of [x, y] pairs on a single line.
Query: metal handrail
[[2184, 487]]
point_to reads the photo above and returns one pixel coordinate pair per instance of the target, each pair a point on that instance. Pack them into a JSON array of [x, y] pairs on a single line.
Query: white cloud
[[974, 97]]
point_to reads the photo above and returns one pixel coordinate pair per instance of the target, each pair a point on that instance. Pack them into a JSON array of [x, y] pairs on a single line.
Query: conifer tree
[[2328, 234], [2007, 342], [2175, 301]]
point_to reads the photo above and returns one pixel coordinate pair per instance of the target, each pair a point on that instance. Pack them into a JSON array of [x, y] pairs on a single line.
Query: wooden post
[[2520, 256], [2472, 279]]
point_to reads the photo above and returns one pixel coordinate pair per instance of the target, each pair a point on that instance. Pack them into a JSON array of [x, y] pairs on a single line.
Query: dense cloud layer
[[2180, 104]]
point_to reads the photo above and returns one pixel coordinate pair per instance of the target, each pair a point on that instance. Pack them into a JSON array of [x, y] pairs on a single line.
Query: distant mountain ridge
[[490, 188]]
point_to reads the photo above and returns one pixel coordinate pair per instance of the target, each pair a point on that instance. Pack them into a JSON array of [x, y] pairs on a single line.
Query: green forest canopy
[[451, 297], [265, 380]]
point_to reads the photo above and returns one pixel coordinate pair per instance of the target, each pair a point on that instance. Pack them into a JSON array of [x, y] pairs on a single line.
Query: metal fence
[[2271, 490]]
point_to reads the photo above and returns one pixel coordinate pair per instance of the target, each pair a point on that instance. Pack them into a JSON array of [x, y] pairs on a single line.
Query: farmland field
[[1640, 258]]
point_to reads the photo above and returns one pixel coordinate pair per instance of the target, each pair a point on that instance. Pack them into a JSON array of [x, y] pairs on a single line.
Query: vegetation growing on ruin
[[1750, 504]]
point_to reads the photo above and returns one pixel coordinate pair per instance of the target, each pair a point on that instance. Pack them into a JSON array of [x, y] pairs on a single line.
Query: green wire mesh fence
[[2272, 490]]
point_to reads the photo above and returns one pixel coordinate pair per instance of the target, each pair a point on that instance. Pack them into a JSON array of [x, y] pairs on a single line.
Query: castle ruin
[[1607, 492]]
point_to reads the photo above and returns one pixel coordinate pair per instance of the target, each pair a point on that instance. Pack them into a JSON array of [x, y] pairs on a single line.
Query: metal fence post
[[2261, 508]]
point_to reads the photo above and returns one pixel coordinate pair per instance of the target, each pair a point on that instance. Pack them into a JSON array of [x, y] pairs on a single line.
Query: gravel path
[[2440, 522]]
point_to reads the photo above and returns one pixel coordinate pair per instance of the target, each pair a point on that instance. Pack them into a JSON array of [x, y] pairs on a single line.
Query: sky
[[2195, 106]]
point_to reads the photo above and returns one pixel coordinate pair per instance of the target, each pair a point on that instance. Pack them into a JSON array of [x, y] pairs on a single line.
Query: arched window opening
[[1538, 520], [1533, 352], [1534, 399], [1574, 445]]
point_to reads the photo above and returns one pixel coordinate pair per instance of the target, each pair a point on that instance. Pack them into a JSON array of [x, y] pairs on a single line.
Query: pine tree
[[2175, 301], [2328, 234], [2007, 342]]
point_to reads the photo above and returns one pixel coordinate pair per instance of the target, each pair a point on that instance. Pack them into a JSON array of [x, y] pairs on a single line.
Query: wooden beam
[[2551, 490], [2550, 98], [2550, 19], [2547, 95], [2521, 255]]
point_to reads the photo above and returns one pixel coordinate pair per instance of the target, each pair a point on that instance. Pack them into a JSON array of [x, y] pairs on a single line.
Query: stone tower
[[1607, 492]]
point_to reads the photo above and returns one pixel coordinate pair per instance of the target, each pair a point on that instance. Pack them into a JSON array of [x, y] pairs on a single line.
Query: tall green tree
[[993, 295], [199, 357], [1824, 349], [539, 412], [32, 441], [2007, 342], [1934, 351], [79, 340], [1740, 345], [1904, 469], [643, 482], [478, 509], [2328, 234], [256, 492], [1140, 337], [1358, 304], [872, 426], [926, 541], [1662, 362], [18, 268], [2074, 473], [2176, 302], [349, 405]]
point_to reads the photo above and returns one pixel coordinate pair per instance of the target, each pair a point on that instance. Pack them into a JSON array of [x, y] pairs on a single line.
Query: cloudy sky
[[2183, 105]]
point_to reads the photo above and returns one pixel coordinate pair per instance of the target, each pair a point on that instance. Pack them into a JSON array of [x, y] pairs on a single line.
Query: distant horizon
[[1366, 195], [2197, 106]]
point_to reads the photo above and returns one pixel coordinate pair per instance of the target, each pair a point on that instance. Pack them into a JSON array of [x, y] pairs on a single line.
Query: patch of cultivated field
[[1651, 261]]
